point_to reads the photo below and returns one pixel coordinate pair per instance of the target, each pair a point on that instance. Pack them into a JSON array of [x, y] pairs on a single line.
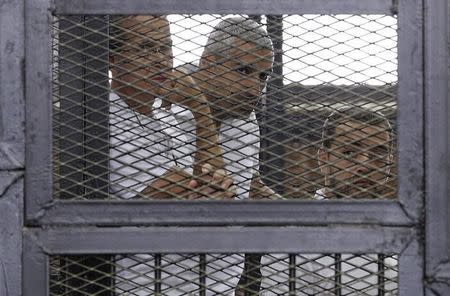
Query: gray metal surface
[[411, 269], [437, 147], [410, 108], [224, 213], [35, 267], [12, 145], [92, 240], [38, 178], [365, 232], [230, 6]]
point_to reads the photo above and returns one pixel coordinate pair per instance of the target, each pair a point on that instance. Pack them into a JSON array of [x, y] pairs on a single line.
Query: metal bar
[[202, 274], [272, 148], [381, 275], [226, 7], [35, 266], [71, 113], [292, 274], [437, 138], [410, 103], [136, 240], [12, 102], [158, 274], [224, 213], [96, 104], [411, 270], [11, 207], [12, 145], [38, 175], [338, 274]]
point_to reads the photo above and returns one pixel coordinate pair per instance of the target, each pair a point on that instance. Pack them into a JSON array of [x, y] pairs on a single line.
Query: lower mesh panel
[[224, 274]]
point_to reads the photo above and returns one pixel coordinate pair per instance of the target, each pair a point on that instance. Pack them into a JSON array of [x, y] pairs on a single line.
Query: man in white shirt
[[147, 154], [150, 138]]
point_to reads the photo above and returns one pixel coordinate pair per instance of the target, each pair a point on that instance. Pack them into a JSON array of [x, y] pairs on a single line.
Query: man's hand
[[215, 184], [178, 184]]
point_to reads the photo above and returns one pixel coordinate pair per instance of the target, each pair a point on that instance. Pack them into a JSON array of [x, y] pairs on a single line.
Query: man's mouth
[[159, 78], [363, 183]]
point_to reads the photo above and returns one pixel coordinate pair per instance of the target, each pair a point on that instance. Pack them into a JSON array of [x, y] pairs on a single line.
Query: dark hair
[[352, 113]]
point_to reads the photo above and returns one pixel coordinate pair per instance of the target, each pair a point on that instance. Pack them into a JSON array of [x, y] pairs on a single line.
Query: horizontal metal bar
[[225, 7], [118, 213], [133, 240]]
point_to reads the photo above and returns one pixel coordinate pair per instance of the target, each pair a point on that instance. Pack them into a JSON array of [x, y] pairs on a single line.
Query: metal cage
[[52, 246]]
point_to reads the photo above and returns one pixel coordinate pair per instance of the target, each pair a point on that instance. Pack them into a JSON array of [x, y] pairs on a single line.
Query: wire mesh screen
[[225, 274], [224, 106]]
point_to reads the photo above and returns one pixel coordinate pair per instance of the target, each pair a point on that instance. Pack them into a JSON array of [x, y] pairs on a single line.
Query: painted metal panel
[[410, 108], [92, 240], [35, 266], [230, 6], [437, 135], [38, 178], [411, 269], [225, 213]]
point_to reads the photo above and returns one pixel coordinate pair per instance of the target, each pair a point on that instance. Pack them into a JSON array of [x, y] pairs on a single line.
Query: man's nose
[[362, 165]]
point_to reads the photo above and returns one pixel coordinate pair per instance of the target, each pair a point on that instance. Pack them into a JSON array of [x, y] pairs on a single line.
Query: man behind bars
[[150, 157], [248, 64], [355, 155], [355, 158]]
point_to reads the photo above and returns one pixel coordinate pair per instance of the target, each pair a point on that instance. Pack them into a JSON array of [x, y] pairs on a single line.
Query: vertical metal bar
[[272, 137], [338, 274], [292, 274], [437, 137], [380, 275], [35, 267], [12, 145], [38, 174], [202, 274], [158, 274], [71, 111], [84, 130], [96, 120], [411, 270], [411, 108]]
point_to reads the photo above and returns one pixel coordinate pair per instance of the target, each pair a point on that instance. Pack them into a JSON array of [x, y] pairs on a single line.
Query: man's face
[[357, 163], [142, 63], [236, 79]]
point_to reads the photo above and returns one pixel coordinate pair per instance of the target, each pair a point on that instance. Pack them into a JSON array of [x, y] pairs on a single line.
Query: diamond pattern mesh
[[225, 274], [224, 107]]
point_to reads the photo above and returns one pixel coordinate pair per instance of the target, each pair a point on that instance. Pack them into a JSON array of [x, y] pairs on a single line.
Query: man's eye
[[243, 70], [349, 152], [263, 76]]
